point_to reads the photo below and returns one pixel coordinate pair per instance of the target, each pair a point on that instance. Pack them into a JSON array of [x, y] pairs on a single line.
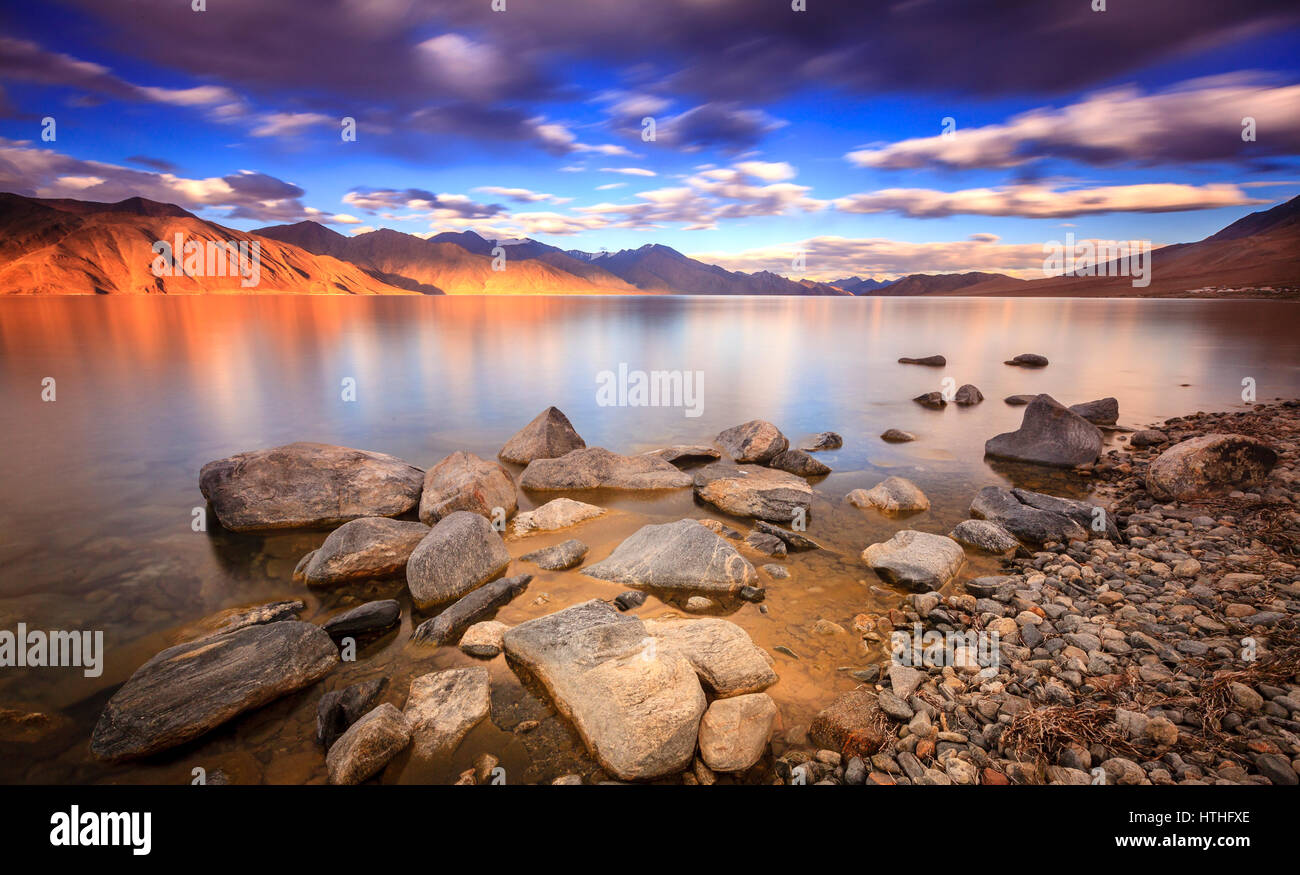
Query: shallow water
[[97, 487]]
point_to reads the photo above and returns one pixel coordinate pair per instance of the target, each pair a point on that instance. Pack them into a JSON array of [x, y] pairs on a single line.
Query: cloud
[[520, 195], [1196, 121], [1042, 202], [629, 171], [440, 206], [289, 124], [723, 124]]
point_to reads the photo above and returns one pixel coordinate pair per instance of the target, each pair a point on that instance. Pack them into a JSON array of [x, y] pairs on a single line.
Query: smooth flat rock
[[339, 709], [444, 706], [934, 361], [799, 462], [368, 746], [968, 395], [371, 548], [794, 540], [549, 436], [484, 640], [932, 400], [678, 556], [724, 656], [637, 706], [826, 440], [852, 725], [918, 561], [756, 441], [307, 485], [1026, 522], [1210, 465], [1103, 411], [897, 436], [734, 733], [557, 513], [186, 690], [984, 535], [892, 495], [463, 481], [459, 554], [753, 491], [1029, 360], [685, 453], [598, 468], [366, 619], [559, 556], [469, 609], [1049, 434]]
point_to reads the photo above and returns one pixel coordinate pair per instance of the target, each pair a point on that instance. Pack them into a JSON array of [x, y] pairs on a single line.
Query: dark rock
[[684, 453], [469, 609], [852, 725], [1104, 411], [768, 545], [339, 709], [933, 400], [549, 436], [793, 540], [1026, 522], [559, 556], [799, 462], [460, 553], [1149, 437], [984, 535], [968, 395], [827, 440], [1210, 465], [897, 436], [936, 361], [1049, 434], [372, 548], [1019, 400], [368, 746], [1029, 360], [632, 598], [755, 441], [365, 619]]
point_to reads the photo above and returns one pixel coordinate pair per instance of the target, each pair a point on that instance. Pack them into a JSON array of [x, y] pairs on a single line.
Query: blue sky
[[778, 131]]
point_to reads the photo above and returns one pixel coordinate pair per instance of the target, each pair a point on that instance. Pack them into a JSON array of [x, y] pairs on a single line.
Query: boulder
[[1029, 360], [1148, 437], [1084, 513], [683, 556], [339, 709], [897, 436], [932, 400], [852, 725], [918, 561], [549, 436], [444, 706], [1210, 465], [1103, 411], [463, 481], [934, 361], [483, 640], [1028, 523], [1049, 434], [734, 733], [459, 554], [368, 746], [892, 495], [186, 690], [722, 654], [364, 619], [598, 468], [755, 441], [800, 463], [827, 440], [685, 453], [558, 513], [559, 556], [751, 491], [636, 706], [234, 619], [307, 484], [984, 535], [793, 540], [469, 609], [968, 395], [371, 548]]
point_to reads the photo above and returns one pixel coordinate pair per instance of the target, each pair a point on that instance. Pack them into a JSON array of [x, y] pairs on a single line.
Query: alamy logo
[[626, 388], [1099, 258], [54, 649], [241, 258], [77, 828]]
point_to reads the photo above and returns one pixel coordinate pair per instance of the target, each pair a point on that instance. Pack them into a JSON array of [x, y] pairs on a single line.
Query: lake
[[100, 483]]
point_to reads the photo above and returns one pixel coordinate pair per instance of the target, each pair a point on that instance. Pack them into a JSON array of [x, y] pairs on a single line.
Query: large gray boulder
[[1210, 465], [558, 557], [891, 495], [755, 441], [597, 467], [636, 705], [918, 561], [1090, 516], [1103, 411], [368, 746], [753, 491], [799, 462], [984, 535], [549, 436], [463, 481], [680, 556], [1027, 522], [460, 553], [726, 659], [186, 690], [444, 706], [371, 548], [1048, 435], [306, 484]]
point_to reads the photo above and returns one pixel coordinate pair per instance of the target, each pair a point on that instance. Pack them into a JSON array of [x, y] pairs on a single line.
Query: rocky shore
[[1145, 636]]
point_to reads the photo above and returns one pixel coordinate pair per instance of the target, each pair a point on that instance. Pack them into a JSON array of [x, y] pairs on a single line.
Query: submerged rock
[[752, 491], [1029, 360], [892, 495], [459, 554], [366, 549], [308, 484], [444, 706], [1103, 411], [597, 467], [685, 453], [827, 440], [1210, 465], [559, 556], [186, 690], [637, 707], [918, 561], [735, 732], [558, 513], [897, 436], [679, 556], [768, 545], [755, 441], [799, 462], [968, 395], [932, 400], [368, 746], [549, 436], [364, 619], [984, 535], [931, 360], [1049, 434], [793, 540], [1028, 523], [339, 709], [726, 659], [463, 481], [469, 609]]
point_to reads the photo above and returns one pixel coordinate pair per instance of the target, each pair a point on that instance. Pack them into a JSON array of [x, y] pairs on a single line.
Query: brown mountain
[[73, 247], [943, 284], [658, 268]]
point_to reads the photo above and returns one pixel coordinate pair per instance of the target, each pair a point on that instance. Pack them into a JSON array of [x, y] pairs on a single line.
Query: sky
[[841, 138]]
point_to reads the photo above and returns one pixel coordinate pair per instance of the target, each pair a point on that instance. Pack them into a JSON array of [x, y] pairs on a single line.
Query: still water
[[97, 487]]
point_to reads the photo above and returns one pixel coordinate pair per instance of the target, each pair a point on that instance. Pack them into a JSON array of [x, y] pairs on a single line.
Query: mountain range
[[64, 246]]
